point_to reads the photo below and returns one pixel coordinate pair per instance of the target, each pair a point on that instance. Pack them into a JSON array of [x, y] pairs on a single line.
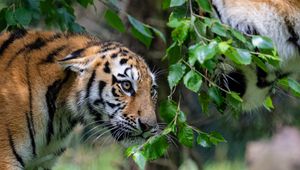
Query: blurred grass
[[225, 165], [88, 158]]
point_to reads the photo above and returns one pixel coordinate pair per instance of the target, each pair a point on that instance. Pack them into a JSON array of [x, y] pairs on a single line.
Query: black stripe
[[121, 75], [294, 37], [108, 48], [92, 111], [89, 84], [75, 54], [101, 86], [125, 71], [124, 51], [217, 11], [28, 78], [106, 68], [50, 57], [37, 44], [114, 55], [123, 61], [113, 90], [114, 80], [13, 36], [12, 146], [98, 101], [262, 81], [112, 105], [129, 124], [120, 108], [78, 53], [51, 96], [32, 140], [60, 152]]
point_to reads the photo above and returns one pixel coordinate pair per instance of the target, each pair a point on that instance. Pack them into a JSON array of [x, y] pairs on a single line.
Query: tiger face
[[115, 89]]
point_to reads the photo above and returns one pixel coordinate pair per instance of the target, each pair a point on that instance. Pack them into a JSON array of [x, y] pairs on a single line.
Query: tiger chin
[[277, 19], [52, 81]]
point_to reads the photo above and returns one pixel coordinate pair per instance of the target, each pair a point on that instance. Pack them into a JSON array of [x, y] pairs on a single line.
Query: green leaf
[[203, 52], [204, 101], [10, 17], [155, 147], [139, 26], [173, 53], [76, 28], [205, 5], [234, 100], [168, 110], [215, 95], [168, 129], [159, 34], [114, 20], [235, 96], [85, 3], [186, 135], [131, 150], [201, 27], [260, 63], [65, 17], [223, 47], [145, 40], [3, 23], [284, 83], [176, 18], [180, 33], [139, 159], [210, 65], [23, 16], [238, 35], [268, 104], [294, 85], [174, 3], [219, 29], [239, 56], [166, 4], [176, 72], [203, 140], [181, 117], [262, 42], [192, 81], [216, 138]]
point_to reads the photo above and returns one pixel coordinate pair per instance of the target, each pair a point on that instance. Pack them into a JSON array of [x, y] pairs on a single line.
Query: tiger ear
[[78, 65]]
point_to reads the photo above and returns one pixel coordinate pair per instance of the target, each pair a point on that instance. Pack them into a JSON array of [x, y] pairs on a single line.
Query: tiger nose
[[145, 127]]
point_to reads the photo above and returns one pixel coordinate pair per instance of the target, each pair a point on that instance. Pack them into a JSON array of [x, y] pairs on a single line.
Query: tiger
[[52, 81], [276, 19]]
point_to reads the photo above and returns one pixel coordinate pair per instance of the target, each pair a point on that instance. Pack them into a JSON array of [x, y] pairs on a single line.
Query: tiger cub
[[277, 19], [52, 81]]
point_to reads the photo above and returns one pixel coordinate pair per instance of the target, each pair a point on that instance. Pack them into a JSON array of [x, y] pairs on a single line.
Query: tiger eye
[[126, 85]]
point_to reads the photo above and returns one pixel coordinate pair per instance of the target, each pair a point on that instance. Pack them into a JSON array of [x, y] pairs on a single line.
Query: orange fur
[[27, 73]]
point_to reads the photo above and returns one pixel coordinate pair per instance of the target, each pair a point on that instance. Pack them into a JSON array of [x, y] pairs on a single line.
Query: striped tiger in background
[[52, 81], [277, 19]]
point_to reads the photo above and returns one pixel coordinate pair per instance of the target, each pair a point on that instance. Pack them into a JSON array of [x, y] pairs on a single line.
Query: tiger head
[[115, 89]]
